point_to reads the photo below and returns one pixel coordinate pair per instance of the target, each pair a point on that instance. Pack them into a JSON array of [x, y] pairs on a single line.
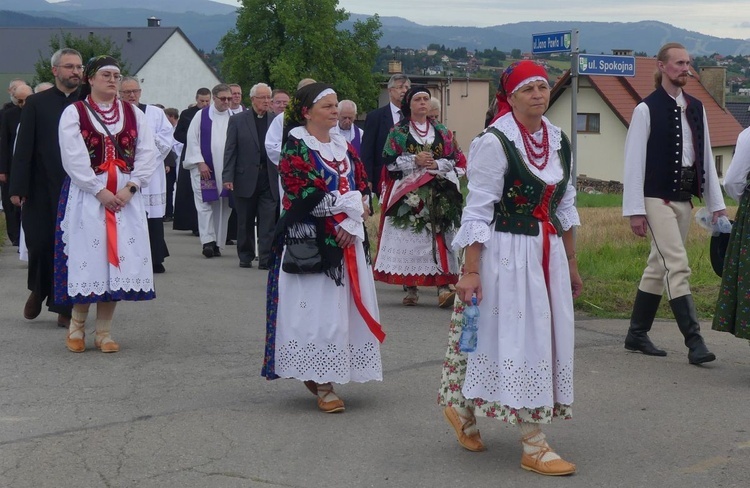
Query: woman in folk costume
[[733, 306], [421, 204], [520, 262], [102, 252], [322, 327]]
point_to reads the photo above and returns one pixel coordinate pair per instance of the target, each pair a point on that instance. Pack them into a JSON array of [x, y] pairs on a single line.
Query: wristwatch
[[133, 188]]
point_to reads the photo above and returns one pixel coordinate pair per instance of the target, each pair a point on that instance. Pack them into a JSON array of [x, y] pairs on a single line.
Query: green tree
[[515, 53], [89, 47], [281, 42]]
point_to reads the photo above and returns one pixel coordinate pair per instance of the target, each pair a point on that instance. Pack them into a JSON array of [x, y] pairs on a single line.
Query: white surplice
[[155, 194], [213, 217]]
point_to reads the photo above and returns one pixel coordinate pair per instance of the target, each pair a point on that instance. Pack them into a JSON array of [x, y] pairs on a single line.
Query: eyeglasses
[[224, 99], [71, 67], [109, 76], [130, 92]]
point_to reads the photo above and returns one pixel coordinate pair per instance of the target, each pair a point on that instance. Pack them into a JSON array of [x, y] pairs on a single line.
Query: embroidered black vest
[[664, 148], [523, 191]]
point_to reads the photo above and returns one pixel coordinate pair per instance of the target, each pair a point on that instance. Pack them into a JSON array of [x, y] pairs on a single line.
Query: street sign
[[605, 65], [551, 42]]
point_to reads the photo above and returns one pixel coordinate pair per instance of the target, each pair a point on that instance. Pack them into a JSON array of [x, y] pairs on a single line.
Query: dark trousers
[[171, 179], [232, 225], [12, 215], [185, 215], [263, 207], [159, 249]]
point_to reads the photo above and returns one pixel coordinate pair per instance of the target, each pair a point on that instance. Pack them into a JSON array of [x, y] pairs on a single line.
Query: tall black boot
[[644, 311], [684, 312]]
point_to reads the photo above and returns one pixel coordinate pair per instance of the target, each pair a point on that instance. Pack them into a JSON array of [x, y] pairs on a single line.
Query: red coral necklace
[[109, 117], [421, 133], [535, 150]]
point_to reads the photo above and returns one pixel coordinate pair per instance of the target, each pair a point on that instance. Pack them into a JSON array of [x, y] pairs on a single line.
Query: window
[[719, 165], [587, 123]]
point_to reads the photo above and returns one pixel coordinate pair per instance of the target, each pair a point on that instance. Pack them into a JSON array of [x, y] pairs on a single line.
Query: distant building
[[605, 107], [167, 64]]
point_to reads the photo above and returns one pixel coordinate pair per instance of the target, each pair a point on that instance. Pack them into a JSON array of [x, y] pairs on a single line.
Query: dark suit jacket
[[378, 124], [242, 156], [8, 125]]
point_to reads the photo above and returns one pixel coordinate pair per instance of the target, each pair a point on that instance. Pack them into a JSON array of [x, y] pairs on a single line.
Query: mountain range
[[205, 22]]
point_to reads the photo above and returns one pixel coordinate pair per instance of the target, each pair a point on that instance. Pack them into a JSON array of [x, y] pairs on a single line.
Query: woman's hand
[[343, 238], [425, 160], [468, 285], [110, 200], [576, 283], [124, 195]]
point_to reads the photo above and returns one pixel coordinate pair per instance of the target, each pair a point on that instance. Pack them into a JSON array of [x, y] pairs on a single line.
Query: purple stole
[[357, 140], [209, 190]]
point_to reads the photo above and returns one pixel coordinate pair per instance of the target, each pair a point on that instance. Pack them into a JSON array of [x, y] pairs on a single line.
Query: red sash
[[110, 167], [350, 260], [541, 212]]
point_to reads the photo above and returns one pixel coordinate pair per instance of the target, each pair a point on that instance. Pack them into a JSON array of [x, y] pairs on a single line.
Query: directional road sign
[[551, 42], [604, 65]]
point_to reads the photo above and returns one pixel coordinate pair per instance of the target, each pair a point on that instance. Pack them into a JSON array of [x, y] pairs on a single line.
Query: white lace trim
[[568, 217], [403, 252], [521, 385], [329, 362], [471, 232], [334, 150]]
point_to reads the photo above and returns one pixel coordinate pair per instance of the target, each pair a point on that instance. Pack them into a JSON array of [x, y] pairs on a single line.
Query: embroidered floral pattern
[[521, 196]]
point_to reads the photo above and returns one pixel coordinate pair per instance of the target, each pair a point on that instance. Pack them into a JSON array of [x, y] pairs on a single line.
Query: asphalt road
[[183, 404]]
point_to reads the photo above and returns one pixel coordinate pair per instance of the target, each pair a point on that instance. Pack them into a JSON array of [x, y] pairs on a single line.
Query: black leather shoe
[[159, 268], [33, 307], [217, 251], [208, 249], [246, 264], [263, 266]]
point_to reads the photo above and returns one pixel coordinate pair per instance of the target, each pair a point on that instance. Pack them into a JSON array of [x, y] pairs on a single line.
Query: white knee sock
[[103, 328], [533, 440], [467, 413], [77, 327], [326, 393]]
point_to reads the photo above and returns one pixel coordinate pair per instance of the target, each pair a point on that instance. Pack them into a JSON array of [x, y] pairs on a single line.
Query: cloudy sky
[[720, 18]]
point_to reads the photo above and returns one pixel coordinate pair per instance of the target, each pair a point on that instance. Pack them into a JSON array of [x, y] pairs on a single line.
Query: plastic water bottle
[[468, 341]]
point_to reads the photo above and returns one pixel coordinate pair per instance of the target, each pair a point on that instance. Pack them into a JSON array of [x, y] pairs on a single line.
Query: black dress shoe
[[159, 268], [208, 250], [33, 307], [217, 251], [196, 233], [263, 266], [246, 264], [230, 242]]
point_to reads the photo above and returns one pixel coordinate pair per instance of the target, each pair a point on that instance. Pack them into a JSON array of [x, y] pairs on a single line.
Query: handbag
[[303, 256]]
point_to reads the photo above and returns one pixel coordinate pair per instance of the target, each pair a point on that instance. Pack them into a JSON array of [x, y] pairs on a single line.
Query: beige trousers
[[669, 223]]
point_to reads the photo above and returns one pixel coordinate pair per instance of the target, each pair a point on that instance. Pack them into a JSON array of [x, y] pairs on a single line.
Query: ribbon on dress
[[350, 260], [541, 212], [110, 167]]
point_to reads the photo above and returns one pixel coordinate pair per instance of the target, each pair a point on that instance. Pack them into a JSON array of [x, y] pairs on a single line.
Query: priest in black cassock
[[38, 176], [185, 214]]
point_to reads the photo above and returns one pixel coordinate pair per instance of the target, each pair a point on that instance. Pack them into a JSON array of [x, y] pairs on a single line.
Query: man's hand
[[229, 186], [16, 200], [205, 171], [3, 177], [639, 225], [717, 214]]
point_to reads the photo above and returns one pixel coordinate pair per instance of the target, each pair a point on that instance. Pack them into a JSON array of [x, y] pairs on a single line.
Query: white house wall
[[599, 155], [173, 75]]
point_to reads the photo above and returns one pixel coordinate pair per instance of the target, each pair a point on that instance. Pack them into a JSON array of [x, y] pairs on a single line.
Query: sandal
[[334, 405], [76, 344], [460, 424], [533, 462]]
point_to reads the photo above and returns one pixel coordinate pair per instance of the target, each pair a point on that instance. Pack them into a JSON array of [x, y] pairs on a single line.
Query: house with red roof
[[605, 106]]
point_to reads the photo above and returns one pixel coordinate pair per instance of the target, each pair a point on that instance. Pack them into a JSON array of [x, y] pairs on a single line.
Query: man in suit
[[377, 126], [9, 121], [252, 178], [185, 215]]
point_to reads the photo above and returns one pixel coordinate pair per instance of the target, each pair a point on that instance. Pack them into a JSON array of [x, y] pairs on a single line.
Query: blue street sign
[[551, 42], [604, 65]]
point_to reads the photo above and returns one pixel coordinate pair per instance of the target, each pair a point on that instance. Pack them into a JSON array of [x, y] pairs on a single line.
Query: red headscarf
[[514, 77]]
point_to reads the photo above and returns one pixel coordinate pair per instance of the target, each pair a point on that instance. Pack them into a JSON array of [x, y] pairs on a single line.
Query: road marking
[[706, 465]]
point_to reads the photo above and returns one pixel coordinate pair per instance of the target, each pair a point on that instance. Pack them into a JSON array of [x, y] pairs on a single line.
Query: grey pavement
[[183, 404]]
